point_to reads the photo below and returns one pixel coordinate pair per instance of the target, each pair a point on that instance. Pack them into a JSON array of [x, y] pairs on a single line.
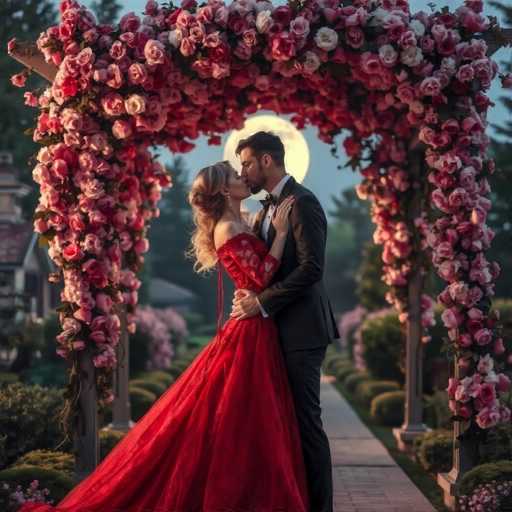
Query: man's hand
[[245, 305]]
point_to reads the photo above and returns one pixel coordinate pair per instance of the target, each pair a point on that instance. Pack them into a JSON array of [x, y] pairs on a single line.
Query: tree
[[371, 290], [106, 11], [25, 20], [500, 216], [169, 237], [350, 229]]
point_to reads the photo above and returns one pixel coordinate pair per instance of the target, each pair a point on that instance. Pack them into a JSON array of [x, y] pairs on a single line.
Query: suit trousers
[[303, 367]]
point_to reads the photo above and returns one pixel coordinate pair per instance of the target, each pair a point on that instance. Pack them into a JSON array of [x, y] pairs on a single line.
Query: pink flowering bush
[[375, 70], [18, 496], [174, 322], [348, 323], [148, 320], [486, 497]]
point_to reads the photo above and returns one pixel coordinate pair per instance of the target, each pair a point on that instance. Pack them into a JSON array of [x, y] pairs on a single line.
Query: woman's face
[[237, 187]]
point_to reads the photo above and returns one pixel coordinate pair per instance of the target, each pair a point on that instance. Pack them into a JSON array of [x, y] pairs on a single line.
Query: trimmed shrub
[[353, 379], [367, 390], [434, 450], [58, 483], [344, 372], [108, 439], [47, 459], [8, 378], [485, 473], [384, 347], [436, 410], [498, 445], [388, 408], [139, 354], [141, 401], [29, 419], [151, 385], [335, 363], [159, 376]]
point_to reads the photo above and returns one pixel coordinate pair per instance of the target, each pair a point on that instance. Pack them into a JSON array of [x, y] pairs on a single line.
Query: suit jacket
[[296, 297]]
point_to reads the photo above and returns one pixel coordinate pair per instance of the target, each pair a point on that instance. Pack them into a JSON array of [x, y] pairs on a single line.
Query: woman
[[223, 437]]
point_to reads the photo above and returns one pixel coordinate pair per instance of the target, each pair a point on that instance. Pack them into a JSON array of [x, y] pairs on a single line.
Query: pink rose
[[483, 336], [187, 47], [129, 22], [72, 252], [135, 104], [112, 103], [503, 384], [449, 319], [98, 337], [104, 302], [465, 340], [154, 52], [430, 86], [283, 47], [137, 73], [453, 384], [499, 347], [299, 28], [115, 76], [488, 417], [121, 129], [83, 314], [19, 79]]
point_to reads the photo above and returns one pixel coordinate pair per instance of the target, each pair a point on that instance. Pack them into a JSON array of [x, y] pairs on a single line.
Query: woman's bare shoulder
[[224, 230]]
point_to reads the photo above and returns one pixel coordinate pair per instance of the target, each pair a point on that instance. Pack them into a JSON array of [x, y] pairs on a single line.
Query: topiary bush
[[157, 375], [141, 401], [436, 410], [344, 372], [498, 445], [29, 419], [388, 408], [151, 385], [48, 459], [8, 378], [352, 380], [367, 390], [434, 450], [108, 439], [384, 347], [485, 473], [58, 483]]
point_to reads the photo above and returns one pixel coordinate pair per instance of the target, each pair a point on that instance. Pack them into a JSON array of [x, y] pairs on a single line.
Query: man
[[296, 299]]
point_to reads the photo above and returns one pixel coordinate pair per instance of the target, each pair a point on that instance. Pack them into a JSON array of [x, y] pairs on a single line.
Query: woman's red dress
[[223, 437]]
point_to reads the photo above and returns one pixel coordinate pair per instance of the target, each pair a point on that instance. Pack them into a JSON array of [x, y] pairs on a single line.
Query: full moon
[[296, 157]]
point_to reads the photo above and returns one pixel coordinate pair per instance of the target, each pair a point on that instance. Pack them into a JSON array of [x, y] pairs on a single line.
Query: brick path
[[366, 478]]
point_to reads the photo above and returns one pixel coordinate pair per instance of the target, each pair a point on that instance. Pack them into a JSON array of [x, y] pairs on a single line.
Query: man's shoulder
[[303, 193]]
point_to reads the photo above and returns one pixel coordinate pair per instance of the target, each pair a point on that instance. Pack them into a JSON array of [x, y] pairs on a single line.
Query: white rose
[[312, 62], [135, 104], [264, 21], [417, 27], [377, 16], [449, 66], [175, 37], [326, 39], [485, 364], [411, 56], [388, 55], [491, 377]]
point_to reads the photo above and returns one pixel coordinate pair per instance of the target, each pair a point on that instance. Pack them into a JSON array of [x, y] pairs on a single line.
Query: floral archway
[[396, 83]]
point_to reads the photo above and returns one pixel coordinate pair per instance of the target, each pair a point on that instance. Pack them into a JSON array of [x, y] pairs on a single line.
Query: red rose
[[69, 86]]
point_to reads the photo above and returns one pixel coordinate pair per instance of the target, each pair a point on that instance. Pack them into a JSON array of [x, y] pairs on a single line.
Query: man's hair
[[264, 142]]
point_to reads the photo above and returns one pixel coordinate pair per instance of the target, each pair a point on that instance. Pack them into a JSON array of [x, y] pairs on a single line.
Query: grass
[[425, 482]]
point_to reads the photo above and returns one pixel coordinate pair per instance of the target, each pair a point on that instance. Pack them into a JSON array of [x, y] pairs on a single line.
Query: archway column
[[413, 425]]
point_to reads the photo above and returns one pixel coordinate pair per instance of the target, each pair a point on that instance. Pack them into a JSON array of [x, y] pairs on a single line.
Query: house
[[164, 294], [24, 266]]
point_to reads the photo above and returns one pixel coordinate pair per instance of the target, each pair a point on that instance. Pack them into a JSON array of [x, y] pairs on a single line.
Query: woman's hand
[[281, 218]]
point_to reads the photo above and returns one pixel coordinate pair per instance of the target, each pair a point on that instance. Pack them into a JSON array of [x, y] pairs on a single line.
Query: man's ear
[[266, 160]]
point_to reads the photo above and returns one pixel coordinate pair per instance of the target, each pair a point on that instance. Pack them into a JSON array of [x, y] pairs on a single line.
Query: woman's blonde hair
[[208, 205]]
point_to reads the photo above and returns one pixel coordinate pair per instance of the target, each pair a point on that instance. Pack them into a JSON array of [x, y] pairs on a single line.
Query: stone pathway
[[366, 478]]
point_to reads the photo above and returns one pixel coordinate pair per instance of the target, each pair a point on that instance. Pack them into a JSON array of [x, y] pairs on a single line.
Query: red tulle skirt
[[222, 438]]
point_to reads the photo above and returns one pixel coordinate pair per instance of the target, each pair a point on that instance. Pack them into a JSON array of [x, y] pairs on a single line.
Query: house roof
[[15, 241], [163, 291]]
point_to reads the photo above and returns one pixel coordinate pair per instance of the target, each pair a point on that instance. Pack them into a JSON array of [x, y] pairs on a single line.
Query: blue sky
[[323, 177]]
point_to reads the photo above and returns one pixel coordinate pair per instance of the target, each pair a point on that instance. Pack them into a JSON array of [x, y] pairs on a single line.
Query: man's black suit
[[296, 299]]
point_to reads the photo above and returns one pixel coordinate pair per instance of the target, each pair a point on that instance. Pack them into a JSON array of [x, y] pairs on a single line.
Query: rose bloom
[[311, 62], [430, 86], [388, 55], [326, 39], [72, 252], [19, 79], [483, 336], [121, 129], [137, 73], [283, 47], [135, 104], [129, 22], [112, 104], [299, 27], [154, 52]]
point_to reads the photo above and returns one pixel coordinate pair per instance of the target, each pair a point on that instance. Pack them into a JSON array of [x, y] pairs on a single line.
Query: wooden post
[[413, 425], [86, 441], [121, 411]]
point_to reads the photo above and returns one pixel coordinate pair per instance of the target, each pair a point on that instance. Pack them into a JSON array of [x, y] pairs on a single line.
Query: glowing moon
[[296, 157]]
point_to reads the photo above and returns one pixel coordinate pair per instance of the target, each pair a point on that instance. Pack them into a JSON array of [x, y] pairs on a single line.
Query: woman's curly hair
[[208, 205]]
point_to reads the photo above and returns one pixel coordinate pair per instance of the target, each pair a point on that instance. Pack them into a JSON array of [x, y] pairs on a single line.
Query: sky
[[323, 176]]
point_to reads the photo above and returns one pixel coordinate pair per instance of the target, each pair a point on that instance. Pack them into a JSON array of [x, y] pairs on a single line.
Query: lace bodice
[[247, 261]]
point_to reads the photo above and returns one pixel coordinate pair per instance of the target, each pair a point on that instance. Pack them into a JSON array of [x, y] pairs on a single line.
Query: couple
[[240, 430]]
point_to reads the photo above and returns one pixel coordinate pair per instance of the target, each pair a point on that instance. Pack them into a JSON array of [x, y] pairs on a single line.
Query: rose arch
[[407, 90]]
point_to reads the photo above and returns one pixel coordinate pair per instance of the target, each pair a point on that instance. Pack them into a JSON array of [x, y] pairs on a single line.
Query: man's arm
[[309, 227]]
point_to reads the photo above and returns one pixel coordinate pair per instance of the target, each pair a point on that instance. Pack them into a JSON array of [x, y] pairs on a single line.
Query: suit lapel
[[287, 190]]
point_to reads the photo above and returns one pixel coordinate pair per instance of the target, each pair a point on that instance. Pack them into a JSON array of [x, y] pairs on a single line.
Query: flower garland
[[369, 67]]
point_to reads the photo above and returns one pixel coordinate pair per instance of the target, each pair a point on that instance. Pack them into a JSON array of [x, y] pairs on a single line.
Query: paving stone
[[365, 476]]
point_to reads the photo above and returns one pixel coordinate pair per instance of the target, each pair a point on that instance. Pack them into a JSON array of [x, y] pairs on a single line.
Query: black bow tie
[[268, 201]]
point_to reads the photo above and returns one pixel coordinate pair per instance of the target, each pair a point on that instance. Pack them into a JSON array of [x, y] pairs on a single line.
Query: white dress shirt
[[265, 225]]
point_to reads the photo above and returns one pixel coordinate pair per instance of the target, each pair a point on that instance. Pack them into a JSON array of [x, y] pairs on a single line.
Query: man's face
[[252, 173]]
